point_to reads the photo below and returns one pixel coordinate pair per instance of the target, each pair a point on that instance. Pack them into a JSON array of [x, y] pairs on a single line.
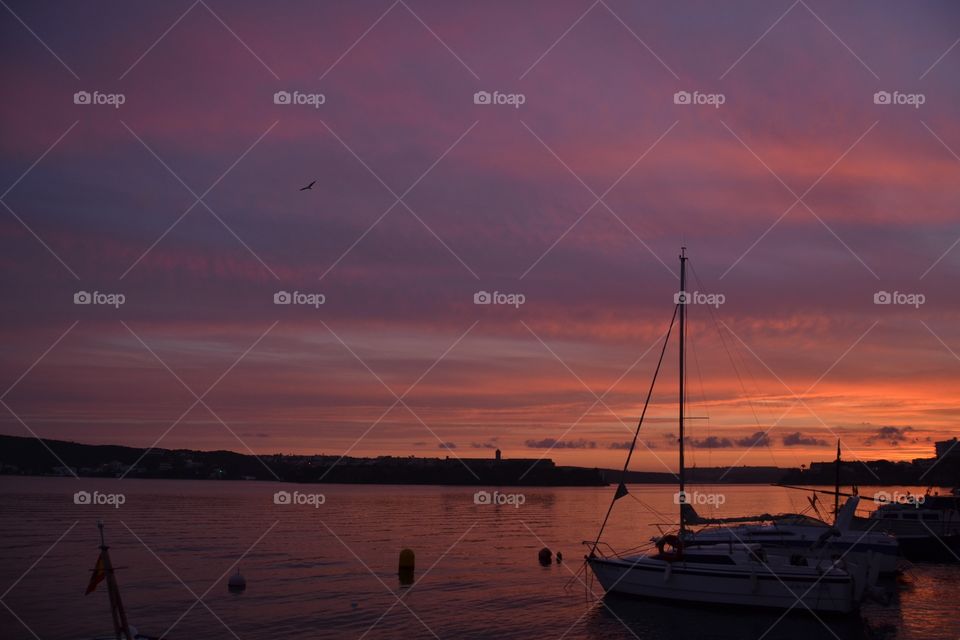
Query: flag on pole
[[99, 574], [621, 491]]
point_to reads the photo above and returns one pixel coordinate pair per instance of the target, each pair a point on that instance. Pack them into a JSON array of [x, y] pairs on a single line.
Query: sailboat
[[736, 573]]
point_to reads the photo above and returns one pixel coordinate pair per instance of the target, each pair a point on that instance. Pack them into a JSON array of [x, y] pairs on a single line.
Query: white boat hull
[[684, 582]]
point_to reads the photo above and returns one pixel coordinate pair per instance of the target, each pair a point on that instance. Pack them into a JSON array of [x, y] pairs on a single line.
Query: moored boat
[[738, 574], [735, 574], [799, 533], [927, 527]]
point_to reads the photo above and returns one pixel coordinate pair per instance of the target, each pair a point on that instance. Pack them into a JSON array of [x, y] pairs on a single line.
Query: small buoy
[[237, 582], [559, 557], [406, 566], [407, 560], [545, 556]]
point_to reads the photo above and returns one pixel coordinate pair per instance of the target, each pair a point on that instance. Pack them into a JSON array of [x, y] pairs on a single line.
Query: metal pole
[[683, 335], [121, 628]]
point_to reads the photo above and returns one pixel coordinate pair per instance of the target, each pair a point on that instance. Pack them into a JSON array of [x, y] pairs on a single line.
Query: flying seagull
[[309, 186]]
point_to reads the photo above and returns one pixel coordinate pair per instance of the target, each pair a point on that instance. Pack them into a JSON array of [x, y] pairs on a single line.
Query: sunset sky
[[799, 198]]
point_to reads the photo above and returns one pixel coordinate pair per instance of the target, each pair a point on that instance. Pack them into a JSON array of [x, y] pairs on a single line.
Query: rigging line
[[746, 366], [649, 507], [733, 364], [703, 395], [745, 363], [575, 576], [730, 357], [723, 342], [636, 434]]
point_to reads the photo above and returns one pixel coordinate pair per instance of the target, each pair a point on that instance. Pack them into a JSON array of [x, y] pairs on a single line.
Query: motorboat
[[801, 533], [927, 527]]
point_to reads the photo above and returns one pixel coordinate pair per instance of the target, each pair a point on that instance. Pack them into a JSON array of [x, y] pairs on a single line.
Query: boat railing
[[605, 550]]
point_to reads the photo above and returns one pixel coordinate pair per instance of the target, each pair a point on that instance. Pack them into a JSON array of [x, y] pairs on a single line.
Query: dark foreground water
[[330, 570]]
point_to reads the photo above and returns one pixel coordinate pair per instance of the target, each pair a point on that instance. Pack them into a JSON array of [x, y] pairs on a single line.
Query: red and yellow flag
[[99, 573]]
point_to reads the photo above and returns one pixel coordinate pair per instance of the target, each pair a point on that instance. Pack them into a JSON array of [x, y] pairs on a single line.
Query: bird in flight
[[309, 187]]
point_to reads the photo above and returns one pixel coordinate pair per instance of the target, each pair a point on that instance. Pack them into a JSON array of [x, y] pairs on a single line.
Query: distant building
[[498, 455], [947, 449]]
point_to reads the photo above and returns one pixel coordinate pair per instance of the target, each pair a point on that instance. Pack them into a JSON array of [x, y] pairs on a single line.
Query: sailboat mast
[[683, 358], [836, 492]]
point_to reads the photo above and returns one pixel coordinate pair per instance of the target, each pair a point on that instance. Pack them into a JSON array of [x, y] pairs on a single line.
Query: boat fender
[[753, 581], [668, 573], [670, 546]]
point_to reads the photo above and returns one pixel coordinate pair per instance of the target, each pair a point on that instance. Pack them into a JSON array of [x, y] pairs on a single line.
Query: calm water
[[330, 571]]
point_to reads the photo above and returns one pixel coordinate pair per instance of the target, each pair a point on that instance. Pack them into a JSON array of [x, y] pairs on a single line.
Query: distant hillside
[[30, 456]]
